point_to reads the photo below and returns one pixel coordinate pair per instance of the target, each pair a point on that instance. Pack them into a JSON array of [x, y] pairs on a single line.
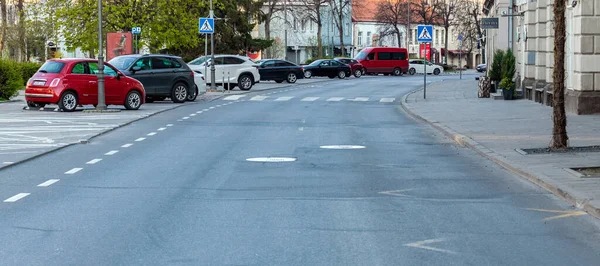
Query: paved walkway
[[496, 128]]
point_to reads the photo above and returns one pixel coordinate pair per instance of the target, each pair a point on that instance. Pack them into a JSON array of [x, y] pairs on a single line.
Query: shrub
[[506, 83], [28, 70], [11, 80], [508, 65], [496, 67]]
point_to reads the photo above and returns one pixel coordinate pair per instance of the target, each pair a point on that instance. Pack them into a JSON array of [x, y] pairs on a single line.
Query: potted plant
[[507, 86], [495, 72]]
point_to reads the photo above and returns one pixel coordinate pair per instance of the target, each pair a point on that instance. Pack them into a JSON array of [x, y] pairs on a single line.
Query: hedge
[[28, 70], [11, 79]]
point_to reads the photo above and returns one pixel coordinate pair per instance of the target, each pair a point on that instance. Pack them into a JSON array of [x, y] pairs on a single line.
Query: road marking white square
[[258, 98], [72, 171], [387, 100], [140, 139], [48, 183], [126, 145], [113, 152], [283, 99], [94, 161], [335, 99], [310, 99], [16, 197], [360, 99]]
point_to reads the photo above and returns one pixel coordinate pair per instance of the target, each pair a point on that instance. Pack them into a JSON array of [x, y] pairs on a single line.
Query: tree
[[468, 24], [560, 140], [313, 9], [4, 15], [270, 8], [447, 15], [339, 10], [427, 11], [391, 14]]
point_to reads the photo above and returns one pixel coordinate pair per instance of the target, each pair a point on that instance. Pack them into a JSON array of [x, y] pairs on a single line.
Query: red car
[[384, 60], [356, 67], [73, 82]]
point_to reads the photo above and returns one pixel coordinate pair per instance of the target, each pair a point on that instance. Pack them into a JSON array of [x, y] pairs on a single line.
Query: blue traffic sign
[[206, 25], [425, 33], [460, 37], [136, 30]]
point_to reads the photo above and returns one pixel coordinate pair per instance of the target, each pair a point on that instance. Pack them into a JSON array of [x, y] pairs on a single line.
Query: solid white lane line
[[360, 99], [258, 98], [387, 100], [310, 99], [169, 125], [162, 128], [151, 134], [48, 183], [140, 139], [283, 99], [113, 152], [335, 99], [72, 171], [127, 145], [16, 197], [94, 161]]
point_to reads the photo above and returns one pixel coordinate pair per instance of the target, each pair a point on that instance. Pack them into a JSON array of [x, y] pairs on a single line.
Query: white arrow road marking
[[422, 245]]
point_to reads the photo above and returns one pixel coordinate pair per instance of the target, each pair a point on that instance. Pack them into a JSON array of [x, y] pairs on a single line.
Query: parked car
[[355, 67], [230, 71], [327, 68], [481, 68], [384, 60], [163, 76], [199, 81], [279, 70], [73, 82], [416, 66]]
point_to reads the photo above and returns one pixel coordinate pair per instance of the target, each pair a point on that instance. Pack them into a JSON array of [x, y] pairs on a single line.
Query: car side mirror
[[119, 75], [136, 68]]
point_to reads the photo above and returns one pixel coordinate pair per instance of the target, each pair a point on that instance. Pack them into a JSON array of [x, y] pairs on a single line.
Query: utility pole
[[285, 28], [101, 103], [212, 51]]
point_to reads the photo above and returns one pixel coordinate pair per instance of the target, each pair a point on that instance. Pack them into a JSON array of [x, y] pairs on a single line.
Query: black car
[[279, 70], [327, 68], [163, 76]]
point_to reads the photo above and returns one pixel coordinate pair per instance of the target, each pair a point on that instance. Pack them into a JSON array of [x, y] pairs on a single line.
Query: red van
[[384, 60]]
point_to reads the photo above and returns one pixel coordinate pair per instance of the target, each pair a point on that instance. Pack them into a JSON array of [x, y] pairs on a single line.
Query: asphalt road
[[184, 193]]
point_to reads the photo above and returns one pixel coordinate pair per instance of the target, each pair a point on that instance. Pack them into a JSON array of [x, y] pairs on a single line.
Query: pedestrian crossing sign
[[206, 25], [424, 33]]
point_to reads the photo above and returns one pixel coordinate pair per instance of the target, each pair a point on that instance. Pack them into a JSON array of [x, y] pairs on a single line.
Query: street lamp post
[[101, 103], [212, 52]]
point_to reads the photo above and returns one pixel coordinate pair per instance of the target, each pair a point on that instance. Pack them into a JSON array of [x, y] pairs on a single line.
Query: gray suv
[[163, 76]]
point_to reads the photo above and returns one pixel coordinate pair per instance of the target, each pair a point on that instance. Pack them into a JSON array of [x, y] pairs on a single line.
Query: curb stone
[[591, 206]]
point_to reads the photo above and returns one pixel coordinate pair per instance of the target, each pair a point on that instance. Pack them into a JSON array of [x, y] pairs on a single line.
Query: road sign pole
[[425, 73], [205, 55], [212, 52], [424, 36]]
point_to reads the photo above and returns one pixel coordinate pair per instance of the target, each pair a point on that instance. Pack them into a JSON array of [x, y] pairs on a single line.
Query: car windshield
[[360, 55], [122, 62], [52, 67], [198, 61]]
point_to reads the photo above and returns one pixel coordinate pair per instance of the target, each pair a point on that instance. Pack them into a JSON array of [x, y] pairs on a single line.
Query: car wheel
[[179, 93], [279, 81], [291, 78], [133, 101], [436, 71], [192, 97], [412, 71], [341, 74], [397, 72], [307, 74], [245, 82], [68, 101], [358, 73]]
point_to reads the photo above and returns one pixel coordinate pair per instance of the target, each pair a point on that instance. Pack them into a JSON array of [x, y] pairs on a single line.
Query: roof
[[364, 10]]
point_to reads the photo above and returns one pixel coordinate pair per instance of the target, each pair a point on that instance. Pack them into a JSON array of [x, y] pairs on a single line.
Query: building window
[[360, 38], [347, 29], [311, 25], [443, 37], [368, 38], [415, 36], [304, 22], [410, 34], [437, 37]]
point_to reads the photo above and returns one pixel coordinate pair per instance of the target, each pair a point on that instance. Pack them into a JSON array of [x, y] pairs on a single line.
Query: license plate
[[39, 83]]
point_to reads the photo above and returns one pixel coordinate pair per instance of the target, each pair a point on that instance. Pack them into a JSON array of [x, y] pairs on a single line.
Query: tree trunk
[[559, 131], [398, 36], [4, 25], [22, 46], [319, 38], [446, 43], [269, 51]]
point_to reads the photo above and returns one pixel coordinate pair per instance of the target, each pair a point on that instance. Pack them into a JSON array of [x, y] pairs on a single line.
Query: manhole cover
[[342, 147], [271, 159]]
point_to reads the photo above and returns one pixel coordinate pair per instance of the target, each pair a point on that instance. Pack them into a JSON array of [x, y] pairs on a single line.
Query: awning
[[458, 52]]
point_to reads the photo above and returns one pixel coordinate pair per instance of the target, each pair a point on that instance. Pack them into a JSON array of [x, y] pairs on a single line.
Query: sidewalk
[[496, 128]]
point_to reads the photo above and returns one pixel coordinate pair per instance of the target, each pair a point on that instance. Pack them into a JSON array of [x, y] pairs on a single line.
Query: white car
[[230, 71], [199, 81], [415, 66]]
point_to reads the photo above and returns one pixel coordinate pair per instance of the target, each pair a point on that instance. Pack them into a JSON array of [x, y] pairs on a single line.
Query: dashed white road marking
[[360, 99], [151, 134], [94, 161], [16, 197], [310, 99], [233, 97], [162, 128], [179, 120], [205, 110], [140, 139], [169, 125], [199, 112], [113, 152], [342, 147], [212, 107], [185, 117], [8, 162], [271, 159], [387, 100], [283, 99], [48, 183], [192, 114], [258, 98], [127, 145], [335, 99], [72, 171]]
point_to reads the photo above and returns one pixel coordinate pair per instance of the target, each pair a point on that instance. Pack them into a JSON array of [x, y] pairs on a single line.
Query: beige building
[[531, 24]]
